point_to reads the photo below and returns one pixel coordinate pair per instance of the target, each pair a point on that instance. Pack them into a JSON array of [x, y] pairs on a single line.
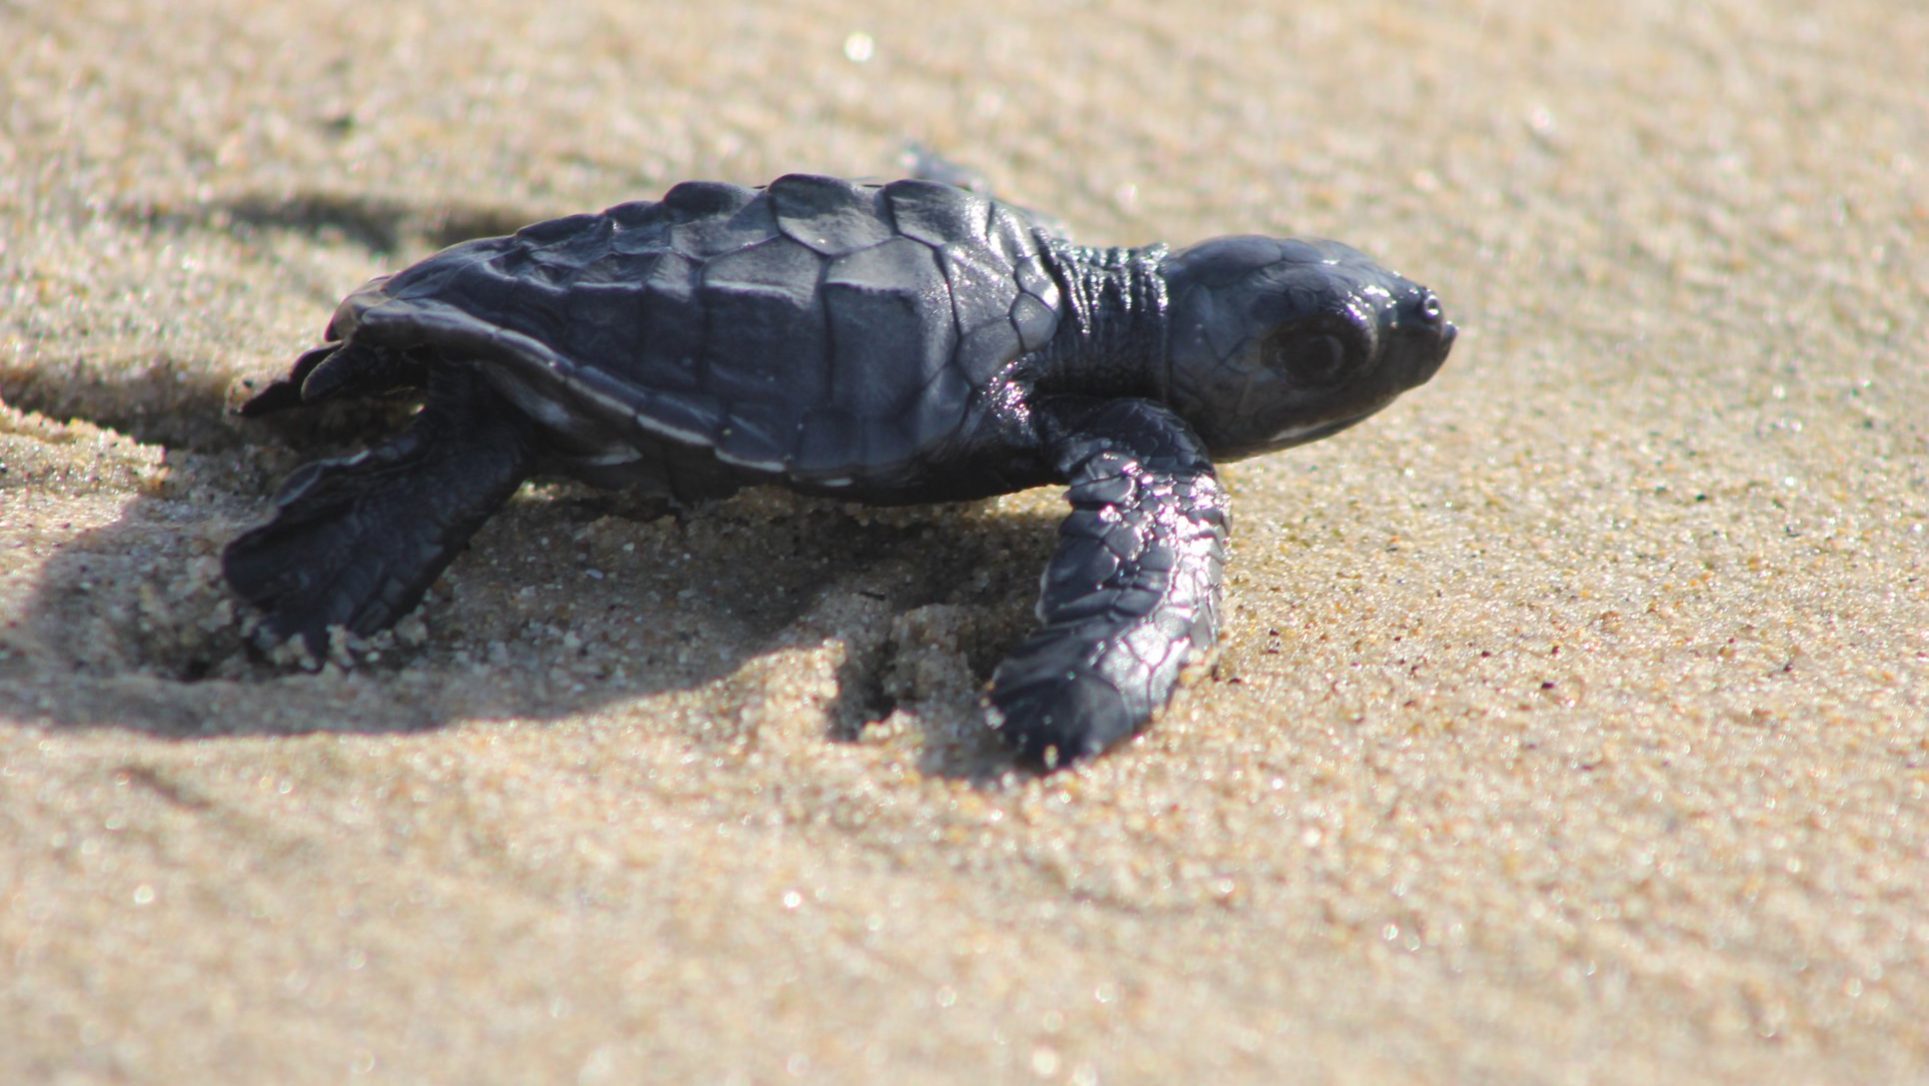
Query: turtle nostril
[[1430, 309]]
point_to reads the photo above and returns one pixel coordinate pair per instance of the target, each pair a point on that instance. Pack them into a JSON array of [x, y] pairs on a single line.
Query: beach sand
[[1572, 719]]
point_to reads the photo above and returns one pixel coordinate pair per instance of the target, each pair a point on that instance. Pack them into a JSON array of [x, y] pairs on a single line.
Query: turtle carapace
[[905, 342]]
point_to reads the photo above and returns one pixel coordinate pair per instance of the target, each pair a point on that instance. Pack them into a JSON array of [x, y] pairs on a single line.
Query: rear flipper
[[355, 542], [1131, 592]]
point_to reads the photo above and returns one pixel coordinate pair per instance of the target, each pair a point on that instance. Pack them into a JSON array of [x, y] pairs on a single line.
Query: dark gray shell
[[816, 328]]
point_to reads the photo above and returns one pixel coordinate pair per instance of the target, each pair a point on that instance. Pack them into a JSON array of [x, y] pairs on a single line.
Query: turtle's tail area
[[356, 541], [340, 369]]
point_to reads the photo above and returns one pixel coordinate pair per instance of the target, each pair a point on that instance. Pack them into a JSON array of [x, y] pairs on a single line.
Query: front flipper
[[927, 164], [1132, 590], [356, 541]]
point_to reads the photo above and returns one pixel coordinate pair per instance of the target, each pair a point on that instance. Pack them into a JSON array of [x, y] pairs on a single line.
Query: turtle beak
[[1432, 366]]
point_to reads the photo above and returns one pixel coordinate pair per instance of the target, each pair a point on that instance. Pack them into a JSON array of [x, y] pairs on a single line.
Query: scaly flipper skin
[[356, 541], [1131, 592]]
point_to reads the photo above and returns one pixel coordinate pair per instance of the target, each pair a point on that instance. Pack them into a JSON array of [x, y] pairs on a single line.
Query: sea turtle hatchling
[[895, 343]]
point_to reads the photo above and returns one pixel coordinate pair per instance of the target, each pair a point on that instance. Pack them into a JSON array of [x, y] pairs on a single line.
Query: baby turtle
[[897, 343]]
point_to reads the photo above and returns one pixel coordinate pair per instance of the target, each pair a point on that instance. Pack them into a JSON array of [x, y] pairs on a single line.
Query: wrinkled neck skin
[[1111, 336]]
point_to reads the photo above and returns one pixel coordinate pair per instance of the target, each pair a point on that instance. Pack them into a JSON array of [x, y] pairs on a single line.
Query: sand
[[1572, 723]]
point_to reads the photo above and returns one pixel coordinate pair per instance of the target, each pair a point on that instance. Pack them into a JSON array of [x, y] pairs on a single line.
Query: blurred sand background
[[1573, 721]]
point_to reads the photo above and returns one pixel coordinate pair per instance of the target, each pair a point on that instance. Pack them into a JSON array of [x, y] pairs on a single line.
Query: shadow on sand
[[568, 601]]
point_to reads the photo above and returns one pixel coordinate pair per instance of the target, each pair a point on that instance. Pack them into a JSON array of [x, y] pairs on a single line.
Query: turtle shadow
[[569, 601], [382, 226]]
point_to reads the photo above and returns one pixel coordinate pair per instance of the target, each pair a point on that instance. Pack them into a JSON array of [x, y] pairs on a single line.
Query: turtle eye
[[1310, 358]]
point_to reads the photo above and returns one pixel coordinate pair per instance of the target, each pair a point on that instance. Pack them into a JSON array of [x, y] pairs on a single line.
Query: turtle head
[[1276, 342]]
